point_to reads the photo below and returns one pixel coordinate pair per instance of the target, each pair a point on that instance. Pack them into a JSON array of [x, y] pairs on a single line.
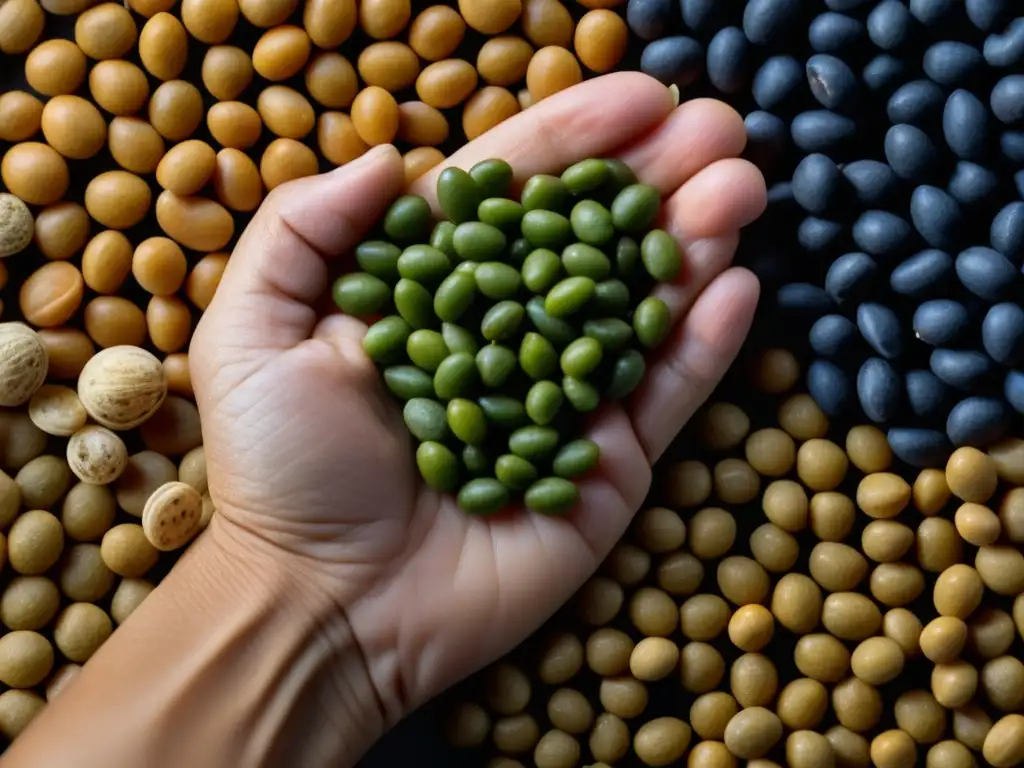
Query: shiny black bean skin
[[986, 14], [850, 277], [804, 299], [881, 329], [965, 125], [832, 82], [703, 15], [820, 130], [927, 395], [880, 233], [873, 182], [952, 64], [985, 272], [1013, 390], [920, 448], [1002, 333], [1018, 180], [961, 368], [832, 32], [728, 60], [780, 195], [832, 335], [817, 183], [1005, 49], [765, 21], [922, 275], [930, 12], [1011, 144], [1006, 234], [767, 137], [650, 19], [830, 387], [879, 390], [919, 103], [677, 60], [884, 74], [940, 321], [777, 81], [910, 152], [889, 24], [972, 184], [977, 421], [816, 234], [936, 216], [1007, 99]]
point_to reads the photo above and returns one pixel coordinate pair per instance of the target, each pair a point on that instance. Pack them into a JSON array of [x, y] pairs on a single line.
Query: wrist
[[313, 699]]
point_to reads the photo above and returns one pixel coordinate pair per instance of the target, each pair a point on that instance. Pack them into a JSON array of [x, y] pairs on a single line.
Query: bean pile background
[[892, 137]]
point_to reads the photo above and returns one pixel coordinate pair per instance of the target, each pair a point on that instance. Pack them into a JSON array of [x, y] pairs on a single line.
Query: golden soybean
[[20, 116], [267, 13], [801, 417], [176, 109], [329, 23], [197, 223], [187, 167], [627, 564], [285, 160], [688, 483], [487, 108], [234, 124], [608, 652], [722, 426], [285, 112], [236, 181], [710, 713], [21, 24], [384, 19], [954, 684], [551, 69], [210, 21], [55, 67], [338, 139], [774, 548], [390, 65], [163, 46], [858, 705], [62, 230], [436, 32], [601, 40], [375, 115], [701, 667], [802, 704], [281, 52], [331, 80], [547, 22], [74, 127], [490, 17], [561, 659], [119, 87], [106, 31], [227, 72], [35, 172], [135, 145]]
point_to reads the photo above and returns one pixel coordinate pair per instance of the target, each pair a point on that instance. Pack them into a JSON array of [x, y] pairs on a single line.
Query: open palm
[[309, 459]]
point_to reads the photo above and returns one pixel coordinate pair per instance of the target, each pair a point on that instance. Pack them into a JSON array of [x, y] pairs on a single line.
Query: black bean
[[832, 82], [767, 137], [940, 321], [961, 368], [918, 102], [985, 14], [1018, 180], [910, 152], [829, 385], [1011, 144], [873, 182], [977, 421], [1007, 99], [985, 273], [919, 448], [817, 235], [1013, 390], [924, 274], [780, 194], [930, 11], [777, 81], [766, 20], [832, 335], [880, 328], [884, 74], [952, 63], [880, 233], [817, 183], [889, 24], [820, 130], [650, 19], [728, 60], [703, 15], [936, 217], [832, 32], [927, 395], [1005, 49], [965, 125], [805, 299], [677, 60], [972, 184], [850, 277], [879, 390], [1007, 231], [1002, 333]]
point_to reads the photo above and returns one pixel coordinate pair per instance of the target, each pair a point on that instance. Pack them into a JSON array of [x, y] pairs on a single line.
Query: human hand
[[310, 463]]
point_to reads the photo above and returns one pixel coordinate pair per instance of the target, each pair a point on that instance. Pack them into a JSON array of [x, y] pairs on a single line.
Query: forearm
[[231, 661]]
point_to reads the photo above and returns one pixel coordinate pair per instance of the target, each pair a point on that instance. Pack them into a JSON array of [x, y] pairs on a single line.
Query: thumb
[[278, 269]]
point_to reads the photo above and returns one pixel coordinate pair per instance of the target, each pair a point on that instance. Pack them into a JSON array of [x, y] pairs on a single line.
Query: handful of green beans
[[502, 325]]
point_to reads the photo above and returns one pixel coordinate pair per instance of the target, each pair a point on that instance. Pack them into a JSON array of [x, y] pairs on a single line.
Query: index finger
[[588, 120]]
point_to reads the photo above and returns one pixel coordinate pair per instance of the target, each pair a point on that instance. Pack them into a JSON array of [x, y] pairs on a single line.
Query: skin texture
[[361, 592]]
